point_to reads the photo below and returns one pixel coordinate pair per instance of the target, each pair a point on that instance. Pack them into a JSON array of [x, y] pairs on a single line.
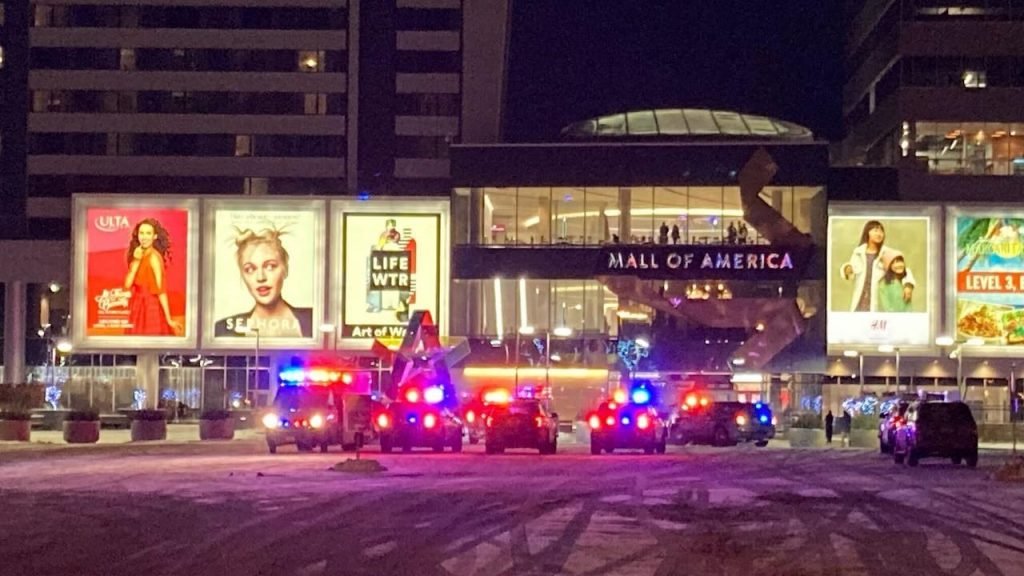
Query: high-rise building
[[224, 97], [247, 97], [934, 88]]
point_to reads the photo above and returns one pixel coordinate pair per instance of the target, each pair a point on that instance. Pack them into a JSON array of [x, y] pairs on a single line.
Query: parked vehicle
[[937, 429], [890, 422]]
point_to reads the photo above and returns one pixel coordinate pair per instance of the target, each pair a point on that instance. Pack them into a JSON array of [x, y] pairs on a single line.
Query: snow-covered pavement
[[231, 509]]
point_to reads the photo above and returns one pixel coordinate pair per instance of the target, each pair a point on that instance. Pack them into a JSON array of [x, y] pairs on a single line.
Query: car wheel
[[554, 446], [913, 459], [957, 460], [648, 449], [897, 457], [348, 447], [721, 437], [595, 448], [457, 444], [323, 447], [972, 460], [385, 444], [661, 446], [474, 440], [761, 443], [609, 450], [271, 447], [303, 446], [406, 447]]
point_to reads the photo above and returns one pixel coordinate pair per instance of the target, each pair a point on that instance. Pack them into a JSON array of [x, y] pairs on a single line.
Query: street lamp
[[860, 366], [958, 353], [889, 349]]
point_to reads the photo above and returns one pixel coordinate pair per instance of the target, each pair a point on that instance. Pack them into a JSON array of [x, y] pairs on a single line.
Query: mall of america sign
[[705, 261]]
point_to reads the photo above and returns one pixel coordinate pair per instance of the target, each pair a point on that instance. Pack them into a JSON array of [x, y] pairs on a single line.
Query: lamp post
[[889, 349], [958, 353], [860, 367], [256, 379]]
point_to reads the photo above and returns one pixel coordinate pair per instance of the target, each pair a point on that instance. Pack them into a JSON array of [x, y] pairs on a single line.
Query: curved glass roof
[[687, 122]]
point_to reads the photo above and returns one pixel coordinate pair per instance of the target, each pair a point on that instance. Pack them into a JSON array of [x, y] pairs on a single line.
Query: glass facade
[[593, 216], [975, 148]]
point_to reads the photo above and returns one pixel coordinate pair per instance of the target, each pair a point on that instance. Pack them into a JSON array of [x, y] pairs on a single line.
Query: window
[[974, 79]]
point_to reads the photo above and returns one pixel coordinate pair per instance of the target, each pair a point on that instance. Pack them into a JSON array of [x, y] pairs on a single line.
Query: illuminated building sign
[[692, 262]]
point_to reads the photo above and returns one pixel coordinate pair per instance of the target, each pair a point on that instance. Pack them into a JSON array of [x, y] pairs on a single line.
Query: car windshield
[[525, 408], [301, 397]]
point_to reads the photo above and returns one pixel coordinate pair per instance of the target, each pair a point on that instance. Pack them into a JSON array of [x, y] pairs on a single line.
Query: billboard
[[882, 271], [134, 272], [987, 258], [264, 273], [395, 262]]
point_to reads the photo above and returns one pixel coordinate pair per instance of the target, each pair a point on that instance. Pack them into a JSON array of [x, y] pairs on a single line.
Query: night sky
[[575, 59]]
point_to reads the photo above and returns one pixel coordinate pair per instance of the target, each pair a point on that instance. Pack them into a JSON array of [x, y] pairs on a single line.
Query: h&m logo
[[112, 223]]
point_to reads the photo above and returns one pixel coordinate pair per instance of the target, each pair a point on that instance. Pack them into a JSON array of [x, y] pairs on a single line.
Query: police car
[[305, 416], [632, 423], [701, 420], [521, 423], [421, 418]]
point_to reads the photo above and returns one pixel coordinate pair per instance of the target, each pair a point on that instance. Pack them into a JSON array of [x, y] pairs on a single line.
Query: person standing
[[731, 233], [829, 422], [663, 234], [847, 425], [675, 234]]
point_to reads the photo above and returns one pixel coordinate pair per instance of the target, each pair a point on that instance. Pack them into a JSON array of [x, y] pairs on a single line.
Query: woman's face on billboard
[[876, 235], [146, 236], [263, 272]]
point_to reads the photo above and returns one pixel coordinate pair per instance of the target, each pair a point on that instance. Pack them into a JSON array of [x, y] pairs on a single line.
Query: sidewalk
[[176, 434]]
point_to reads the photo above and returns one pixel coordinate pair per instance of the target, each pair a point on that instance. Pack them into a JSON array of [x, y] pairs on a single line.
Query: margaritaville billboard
[[175, 274], [986, 265]]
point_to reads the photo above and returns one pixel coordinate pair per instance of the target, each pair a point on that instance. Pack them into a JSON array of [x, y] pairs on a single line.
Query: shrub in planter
[[216, 425], [15, 425], [149, 425], [82, 427]]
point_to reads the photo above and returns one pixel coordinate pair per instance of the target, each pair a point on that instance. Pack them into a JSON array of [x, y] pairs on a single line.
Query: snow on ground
[[226, 509]]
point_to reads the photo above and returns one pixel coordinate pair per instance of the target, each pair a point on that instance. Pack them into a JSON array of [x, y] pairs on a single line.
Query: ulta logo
[[112, 223]]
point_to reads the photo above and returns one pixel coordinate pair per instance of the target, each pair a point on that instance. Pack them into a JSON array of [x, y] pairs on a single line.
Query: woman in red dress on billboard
[[148, 311]]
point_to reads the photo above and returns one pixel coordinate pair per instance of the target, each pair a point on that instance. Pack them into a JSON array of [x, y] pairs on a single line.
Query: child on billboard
[[891, 289]]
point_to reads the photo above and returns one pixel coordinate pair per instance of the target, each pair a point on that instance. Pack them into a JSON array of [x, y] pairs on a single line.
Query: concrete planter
[[217, 429], [863, 438], [15, 430], [806, 437], [82, 432], [148, 430]]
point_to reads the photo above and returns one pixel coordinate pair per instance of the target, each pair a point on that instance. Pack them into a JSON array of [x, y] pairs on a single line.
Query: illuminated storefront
[[706, 249]]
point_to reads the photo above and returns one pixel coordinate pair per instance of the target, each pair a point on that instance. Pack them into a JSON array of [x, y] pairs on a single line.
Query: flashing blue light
[[411, 419], [763, 418], [758, 405], [625, 421], [292, 375], [363, 196], [641, 396]]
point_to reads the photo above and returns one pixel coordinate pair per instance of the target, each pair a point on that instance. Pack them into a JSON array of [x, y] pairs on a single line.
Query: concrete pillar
[[14, 332], [625, 215], [147, 376]]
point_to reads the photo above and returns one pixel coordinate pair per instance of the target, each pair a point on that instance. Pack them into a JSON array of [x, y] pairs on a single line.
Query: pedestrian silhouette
[[829, 422], [675, 233], [731, 238], [663, 234]]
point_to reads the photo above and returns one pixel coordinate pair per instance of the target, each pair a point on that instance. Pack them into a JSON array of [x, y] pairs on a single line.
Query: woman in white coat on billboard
[[866, 268]]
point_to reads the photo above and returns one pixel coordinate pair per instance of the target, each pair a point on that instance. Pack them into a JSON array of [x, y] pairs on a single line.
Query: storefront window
[[705, 224], [534, 220], [641, 209], [567, 215], [601, 211], [671, 207]]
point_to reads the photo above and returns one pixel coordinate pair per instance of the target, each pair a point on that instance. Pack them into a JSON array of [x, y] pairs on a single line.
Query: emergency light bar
[[297, 376]]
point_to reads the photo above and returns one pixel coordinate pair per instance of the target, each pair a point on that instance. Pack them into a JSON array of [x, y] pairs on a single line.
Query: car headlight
[[271, 421], [317, 421]]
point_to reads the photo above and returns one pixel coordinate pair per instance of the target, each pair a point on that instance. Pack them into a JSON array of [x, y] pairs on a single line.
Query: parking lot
[[202, 508]]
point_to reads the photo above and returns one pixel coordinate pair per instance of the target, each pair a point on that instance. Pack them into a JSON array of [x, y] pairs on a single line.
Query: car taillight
[[595, 422], [539, 421], [470, 417], [643, 421], [383, 421], [741, 419], [429, 421], [610, 421], [490, 421]]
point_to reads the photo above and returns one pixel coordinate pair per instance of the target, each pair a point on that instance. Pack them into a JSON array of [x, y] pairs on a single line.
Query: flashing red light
[[470, 417], [741, 419], [619, 396], [497, 396], [346, 378], [612, 406], [539, 421], [643, 421], [610, 421], [703, 401], [490, 421], [412, 395], [429, 421], [383, 421], [595, 422], [691, 400]]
